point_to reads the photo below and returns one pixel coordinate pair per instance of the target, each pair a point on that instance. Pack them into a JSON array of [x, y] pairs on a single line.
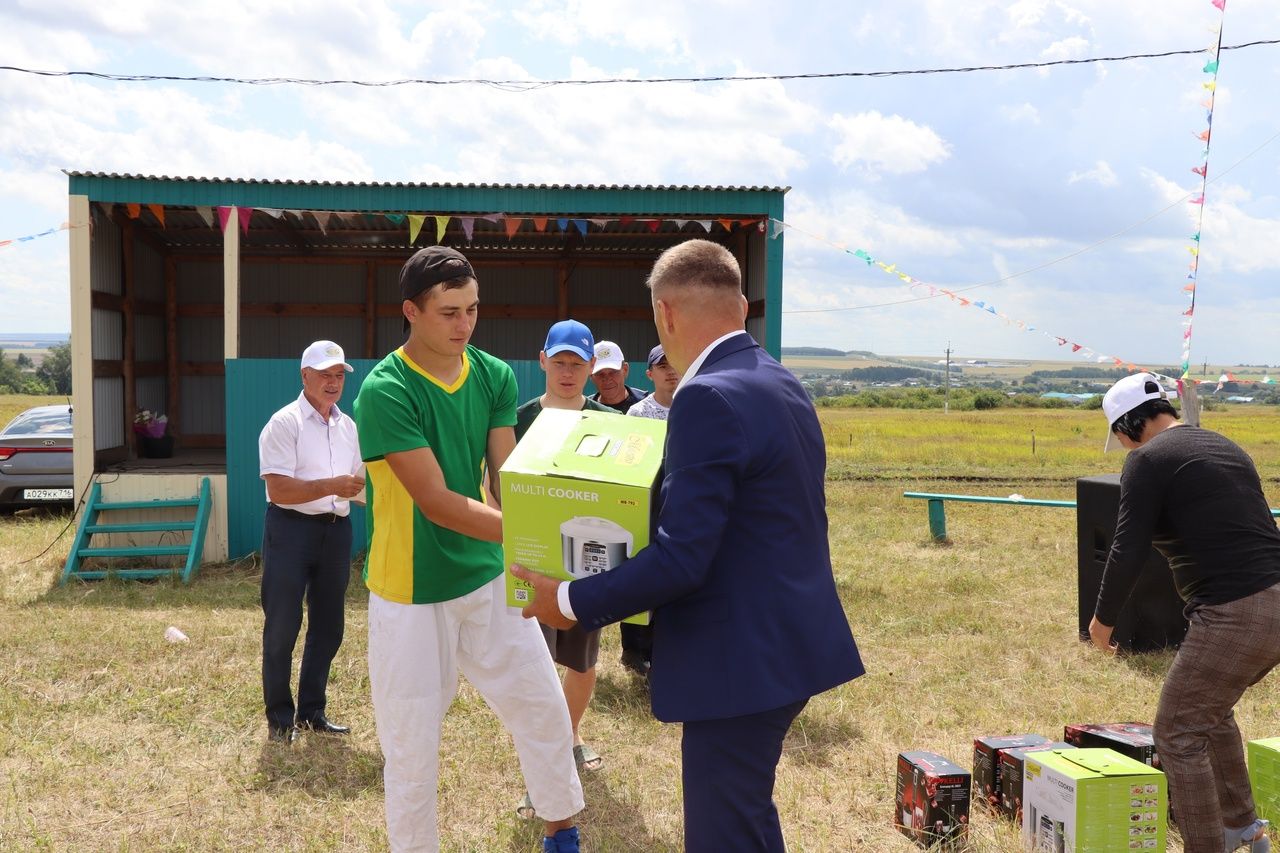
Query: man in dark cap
[[432, 417]]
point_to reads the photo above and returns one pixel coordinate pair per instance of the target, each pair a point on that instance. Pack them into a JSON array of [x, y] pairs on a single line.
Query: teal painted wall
[[257, 387]]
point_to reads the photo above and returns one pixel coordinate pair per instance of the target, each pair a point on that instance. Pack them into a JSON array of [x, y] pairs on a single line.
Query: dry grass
[[11, 405], [113, 739]]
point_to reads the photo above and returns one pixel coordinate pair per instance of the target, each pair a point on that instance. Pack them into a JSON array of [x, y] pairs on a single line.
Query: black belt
[[326, 517]]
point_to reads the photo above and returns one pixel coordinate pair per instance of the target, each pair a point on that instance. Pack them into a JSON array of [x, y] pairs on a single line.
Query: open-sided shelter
[[195, 297]]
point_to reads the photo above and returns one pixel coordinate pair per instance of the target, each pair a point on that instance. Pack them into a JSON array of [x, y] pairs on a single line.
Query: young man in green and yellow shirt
[[433, 416]]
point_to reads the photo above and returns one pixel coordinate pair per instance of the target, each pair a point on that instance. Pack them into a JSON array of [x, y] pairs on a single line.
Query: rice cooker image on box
[[593, 545]]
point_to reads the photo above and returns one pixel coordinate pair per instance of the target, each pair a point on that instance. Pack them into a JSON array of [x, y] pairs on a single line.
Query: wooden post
[[128, 373], [562, 291], [81, 344], [370, 309], [231, 286], [173, 390]]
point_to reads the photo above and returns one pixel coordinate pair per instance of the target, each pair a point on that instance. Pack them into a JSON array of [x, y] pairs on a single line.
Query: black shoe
[[322, 724], [286, 735], [636, 662]]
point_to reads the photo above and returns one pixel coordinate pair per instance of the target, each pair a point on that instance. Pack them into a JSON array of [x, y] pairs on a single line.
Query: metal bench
[[938, 512]]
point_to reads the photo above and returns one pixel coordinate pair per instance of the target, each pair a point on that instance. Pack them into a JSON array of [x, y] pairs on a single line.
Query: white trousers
[[415, 653]]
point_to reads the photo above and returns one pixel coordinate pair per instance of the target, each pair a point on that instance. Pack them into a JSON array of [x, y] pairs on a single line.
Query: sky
[[1025, 176]]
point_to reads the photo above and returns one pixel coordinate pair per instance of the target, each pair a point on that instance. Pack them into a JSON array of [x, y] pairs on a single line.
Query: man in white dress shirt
[[309, 457]]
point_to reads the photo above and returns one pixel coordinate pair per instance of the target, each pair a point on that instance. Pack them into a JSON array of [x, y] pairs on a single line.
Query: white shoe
[[1254, 836]]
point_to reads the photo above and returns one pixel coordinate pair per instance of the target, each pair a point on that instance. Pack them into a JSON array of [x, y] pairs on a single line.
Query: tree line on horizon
[[20, 375]]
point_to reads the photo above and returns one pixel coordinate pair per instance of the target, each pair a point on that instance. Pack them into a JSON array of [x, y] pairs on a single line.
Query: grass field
[[113, 739], [12, 405]]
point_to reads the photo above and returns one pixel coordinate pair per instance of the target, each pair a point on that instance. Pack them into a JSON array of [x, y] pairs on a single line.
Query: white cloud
[[1073, 47], [879, 143], [1101, 174], [1024, 112], [662, 28]]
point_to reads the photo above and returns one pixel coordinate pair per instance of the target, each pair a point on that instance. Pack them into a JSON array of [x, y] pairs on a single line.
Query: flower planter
[[155, 448]]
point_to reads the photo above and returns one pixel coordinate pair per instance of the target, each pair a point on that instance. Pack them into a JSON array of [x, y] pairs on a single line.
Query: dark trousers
[[1228, 648], [302, 559], [637, 638], [728, 774]]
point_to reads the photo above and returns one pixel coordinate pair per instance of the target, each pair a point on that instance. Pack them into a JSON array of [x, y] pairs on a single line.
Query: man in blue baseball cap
[[567, 358]]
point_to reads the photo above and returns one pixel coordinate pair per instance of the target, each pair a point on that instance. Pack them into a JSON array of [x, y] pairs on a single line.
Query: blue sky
[[958, 179]]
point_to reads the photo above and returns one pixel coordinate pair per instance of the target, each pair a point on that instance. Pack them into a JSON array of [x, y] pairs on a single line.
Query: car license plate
[[46, 494]]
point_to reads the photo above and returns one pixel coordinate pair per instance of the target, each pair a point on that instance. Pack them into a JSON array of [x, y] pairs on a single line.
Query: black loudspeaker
[[1152, 618]]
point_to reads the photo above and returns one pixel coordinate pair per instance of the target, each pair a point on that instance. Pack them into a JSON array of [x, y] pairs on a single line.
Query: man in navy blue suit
[[747, 622]]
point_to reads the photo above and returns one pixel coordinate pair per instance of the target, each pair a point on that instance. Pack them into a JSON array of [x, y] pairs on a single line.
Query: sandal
[[526, 811], [586, 757]]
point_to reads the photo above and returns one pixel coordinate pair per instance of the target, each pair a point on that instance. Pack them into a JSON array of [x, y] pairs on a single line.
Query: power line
[[530, 85]]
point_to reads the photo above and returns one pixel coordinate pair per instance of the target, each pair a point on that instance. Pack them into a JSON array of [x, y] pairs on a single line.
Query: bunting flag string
[[511, 225], [66, 226], [1214, 51], [777, 226]]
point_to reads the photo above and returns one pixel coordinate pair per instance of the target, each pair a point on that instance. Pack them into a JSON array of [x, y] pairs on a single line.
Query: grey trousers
[[1228, 648]]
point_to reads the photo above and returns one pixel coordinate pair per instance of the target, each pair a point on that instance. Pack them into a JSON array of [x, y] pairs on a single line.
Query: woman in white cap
[[1197, 498]]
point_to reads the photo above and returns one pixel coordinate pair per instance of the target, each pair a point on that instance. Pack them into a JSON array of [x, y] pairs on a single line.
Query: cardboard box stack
[[1092, 800], [1131, 739], [931, 799], [1264, 776], [576, 495], [1012, 772], [986, 765]]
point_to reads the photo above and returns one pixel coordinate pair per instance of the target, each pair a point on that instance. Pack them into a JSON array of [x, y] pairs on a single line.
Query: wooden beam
[[106, 301], [110, 456], [755, 308], [641, 260], [201, 368], [276, 309], [370, 308], [214, 440], [107, 368], [127, 268], [173, 393], [83, 463], [231, 286], [290, 233], [562, 291]]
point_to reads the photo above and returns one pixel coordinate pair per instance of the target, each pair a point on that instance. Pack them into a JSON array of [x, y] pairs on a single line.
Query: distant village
[[862, 378]]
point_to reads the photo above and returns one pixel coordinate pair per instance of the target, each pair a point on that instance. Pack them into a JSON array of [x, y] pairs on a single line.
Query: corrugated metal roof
[[428, 185]]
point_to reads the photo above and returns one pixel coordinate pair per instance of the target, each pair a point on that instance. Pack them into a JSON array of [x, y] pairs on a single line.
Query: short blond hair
[[698, 264]]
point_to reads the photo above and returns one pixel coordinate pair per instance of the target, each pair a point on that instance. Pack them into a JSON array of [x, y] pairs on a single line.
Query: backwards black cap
[[430, 266]]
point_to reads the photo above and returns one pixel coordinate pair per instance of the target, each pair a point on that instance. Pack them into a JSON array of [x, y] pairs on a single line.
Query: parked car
[[35, 459]]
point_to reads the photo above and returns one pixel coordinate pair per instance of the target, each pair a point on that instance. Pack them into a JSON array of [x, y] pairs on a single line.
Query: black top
[[530, 410], [1196, 497], [634, 395]]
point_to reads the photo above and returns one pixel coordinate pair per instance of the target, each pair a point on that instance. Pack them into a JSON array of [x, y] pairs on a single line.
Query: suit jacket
[[738, 572]]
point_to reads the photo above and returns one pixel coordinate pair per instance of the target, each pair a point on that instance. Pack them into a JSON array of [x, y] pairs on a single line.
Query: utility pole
[[1204, 371], [946, 400]]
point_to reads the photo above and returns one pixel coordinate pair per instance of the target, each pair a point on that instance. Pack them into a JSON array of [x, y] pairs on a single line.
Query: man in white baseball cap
[[309, 456], [1197, 497], [322, 355], [1125, 396], [610, 378]]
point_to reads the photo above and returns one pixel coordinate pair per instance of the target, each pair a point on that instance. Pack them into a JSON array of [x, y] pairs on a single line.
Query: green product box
[[576, 495], [1092, 801], [1264, 776]]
